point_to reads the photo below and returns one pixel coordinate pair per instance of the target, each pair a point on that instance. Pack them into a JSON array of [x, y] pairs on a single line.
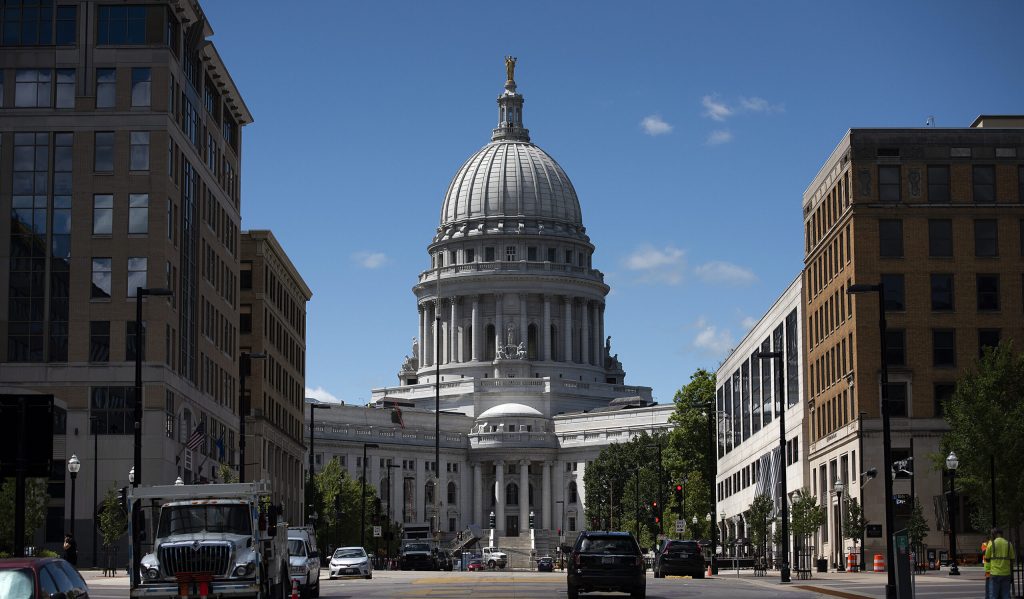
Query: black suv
[[606, 561], [679, 558]]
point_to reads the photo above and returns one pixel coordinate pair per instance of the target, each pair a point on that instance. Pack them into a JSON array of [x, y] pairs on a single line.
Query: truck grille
[[195, 558]]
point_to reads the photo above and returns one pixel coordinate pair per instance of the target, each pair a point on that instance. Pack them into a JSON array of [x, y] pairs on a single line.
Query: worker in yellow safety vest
[[984, 560], [1000, 556]]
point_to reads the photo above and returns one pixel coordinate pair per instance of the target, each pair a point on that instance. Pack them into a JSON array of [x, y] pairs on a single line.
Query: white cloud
[[748, 322], [370, 260], [718, 271], [321, 394], [655, 125], [756, 104], [712, 340], [656, 265], [719, 137], [715, 110]]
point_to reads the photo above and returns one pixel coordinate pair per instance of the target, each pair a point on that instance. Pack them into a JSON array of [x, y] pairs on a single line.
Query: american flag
[[196, 439]]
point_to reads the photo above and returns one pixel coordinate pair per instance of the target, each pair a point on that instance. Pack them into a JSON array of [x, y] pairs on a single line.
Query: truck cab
[[494, 558]]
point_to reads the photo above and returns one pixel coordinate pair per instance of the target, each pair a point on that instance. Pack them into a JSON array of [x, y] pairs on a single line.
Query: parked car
[[475, 565], [303, 564], [545, 564], [606, 561], [679, 558], [350, 561], [31, 577]]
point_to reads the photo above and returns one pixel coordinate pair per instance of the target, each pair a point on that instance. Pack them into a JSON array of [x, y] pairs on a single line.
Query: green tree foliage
[[760, 519], [917, 526], [113, 520], [226, 474], [36, 499], [805, 516], [688, 454], [339, 508], [853, 519], [986, 419]]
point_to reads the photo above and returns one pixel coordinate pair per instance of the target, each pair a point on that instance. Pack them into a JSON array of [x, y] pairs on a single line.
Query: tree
[[986, 422], [853, 519], [805, 516], [339, 507], [760, 518], [917, 526], [689, 457], [226, 474], [113, 521], [36, 499]]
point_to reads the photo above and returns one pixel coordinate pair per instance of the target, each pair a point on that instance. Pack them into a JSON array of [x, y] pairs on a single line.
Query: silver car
[[350, 561], [304, 566]]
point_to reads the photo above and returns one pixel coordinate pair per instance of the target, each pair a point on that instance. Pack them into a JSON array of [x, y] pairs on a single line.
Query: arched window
[[452, 494], [511, 494], [553, 350], [489, 343], [531, 342], [572, 492]]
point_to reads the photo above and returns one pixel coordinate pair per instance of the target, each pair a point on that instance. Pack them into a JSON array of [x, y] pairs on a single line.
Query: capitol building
[[512, 345]]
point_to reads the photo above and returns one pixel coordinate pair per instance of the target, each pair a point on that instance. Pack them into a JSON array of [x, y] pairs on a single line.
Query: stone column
[[600, 335], [499, 497], [428, 333], [585, 332], [545, 501], [567, 329], [595, 333], [523, 336], [524, 496], [475, 329], [453, 331], [478, 493], [421, 356], [417, 514], [397, 500], [545, 336], [499, 322]]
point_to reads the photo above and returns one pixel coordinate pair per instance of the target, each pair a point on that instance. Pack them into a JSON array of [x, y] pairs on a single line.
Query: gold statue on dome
[[510, 67]]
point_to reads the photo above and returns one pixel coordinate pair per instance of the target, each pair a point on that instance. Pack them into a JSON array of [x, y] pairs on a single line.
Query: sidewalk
[[870, 585]]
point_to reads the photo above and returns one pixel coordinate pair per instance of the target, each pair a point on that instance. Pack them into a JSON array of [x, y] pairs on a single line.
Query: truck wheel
[[491, 564], [316, 588]]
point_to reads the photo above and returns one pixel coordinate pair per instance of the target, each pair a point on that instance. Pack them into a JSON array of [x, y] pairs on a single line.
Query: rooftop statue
[[510, 67]]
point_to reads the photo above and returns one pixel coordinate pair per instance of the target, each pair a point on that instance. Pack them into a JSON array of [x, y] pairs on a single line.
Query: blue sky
[[689, 129]]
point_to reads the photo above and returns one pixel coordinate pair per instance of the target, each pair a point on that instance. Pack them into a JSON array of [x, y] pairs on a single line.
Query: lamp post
[[391, 503], [952, 463], [890, 516], [840, 487], [140, 292], [362, 499], [713, 413], [93, 422], [725, 534], [780, 396], [314, 405], [860, 468], [244, 364], [74, 465]]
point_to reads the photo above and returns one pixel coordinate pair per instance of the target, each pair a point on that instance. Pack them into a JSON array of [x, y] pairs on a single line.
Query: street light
[[952, 463], [314, 404], [94, 423], [131, 476], [362, 499], [780, 396], [890, 516], [140, 292], [244, 364], [840, 487], [74, 465]]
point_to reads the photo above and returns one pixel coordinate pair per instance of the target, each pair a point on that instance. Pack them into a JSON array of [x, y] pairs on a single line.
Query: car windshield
[[349, 553], [417, 547], [185, 519], [609, 545], [296, 547], [16, 584], [682, 548]]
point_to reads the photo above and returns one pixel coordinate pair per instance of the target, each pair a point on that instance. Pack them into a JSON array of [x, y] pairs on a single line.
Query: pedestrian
[[1000, 557], [984, 560], [70, 549]]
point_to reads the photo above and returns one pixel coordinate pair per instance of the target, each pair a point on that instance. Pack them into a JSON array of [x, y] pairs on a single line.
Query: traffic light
[[490, 520], [122, 498], [531, 519], [679, 499], [656, 512]]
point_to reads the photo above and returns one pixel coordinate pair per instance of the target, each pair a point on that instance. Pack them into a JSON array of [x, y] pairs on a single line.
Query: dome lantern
[[510, 109]]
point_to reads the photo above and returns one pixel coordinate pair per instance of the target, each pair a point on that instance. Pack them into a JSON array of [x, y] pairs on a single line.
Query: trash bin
[[822, 565]]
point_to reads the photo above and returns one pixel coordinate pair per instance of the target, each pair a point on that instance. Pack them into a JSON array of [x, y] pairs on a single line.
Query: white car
[[350, 561], [304, 566]]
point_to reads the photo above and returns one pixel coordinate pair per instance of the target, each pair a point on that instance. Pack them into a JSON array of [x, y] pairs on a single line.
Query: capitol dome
[[510, 409], [511, 178]]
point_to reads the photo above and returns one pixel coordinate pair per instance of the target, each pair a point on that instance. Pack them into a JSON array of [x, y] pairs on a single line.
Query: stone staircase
[[518, 550]]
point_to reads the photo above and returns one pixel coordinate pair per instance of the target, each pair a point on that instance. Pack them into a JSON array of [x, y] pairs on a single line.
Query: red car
[[29, 577], [475, 565]]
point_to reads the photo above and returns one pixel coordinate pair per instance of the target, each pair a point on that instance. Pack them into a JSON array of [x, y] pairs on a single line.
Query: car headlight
[[151, 573], [245, 569]]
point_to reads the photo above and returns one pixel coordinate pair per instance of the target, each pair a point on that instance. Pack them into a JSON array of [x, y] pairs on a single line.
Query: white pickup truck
[[494, 558]]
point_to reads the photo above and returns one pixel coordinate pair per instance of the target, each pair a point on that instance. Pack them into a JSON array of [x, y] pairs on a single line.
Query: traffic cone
[[708, 573], [295, 589]]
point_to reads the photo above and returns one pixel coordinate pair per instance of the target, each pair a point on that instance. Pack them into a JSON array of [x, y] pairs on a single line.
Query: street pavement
[[544, 585]]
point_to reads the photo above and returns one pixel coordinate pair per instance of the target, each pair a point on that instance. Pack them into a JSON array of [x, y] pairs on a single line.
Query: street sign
[[376, 531], [680, 526]]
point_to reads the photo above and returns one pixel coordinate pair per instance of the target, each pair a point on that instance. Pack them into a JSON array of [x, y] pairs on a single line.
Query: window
[[138, 213], [65, 88], [121, 25], [142, 86], [102, 214], [942, 291], [470, 255], [889, 183], [890, 238], [531, 253], [104, 152], [1020, 184], [984, 183], [568, 256], [938, 184], [896, 347], [129, 341], [66, 25], [510, 253], [986, 238], [26, 23], [897, 399], [943, 347], [138, 151], [111, 410], [987, 338], [940, 237], [136, 274], [99, 341], [551, 254], [489, 254], [32, 88], [894, 293], [100, 278], [988, 292], [106, 88]]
